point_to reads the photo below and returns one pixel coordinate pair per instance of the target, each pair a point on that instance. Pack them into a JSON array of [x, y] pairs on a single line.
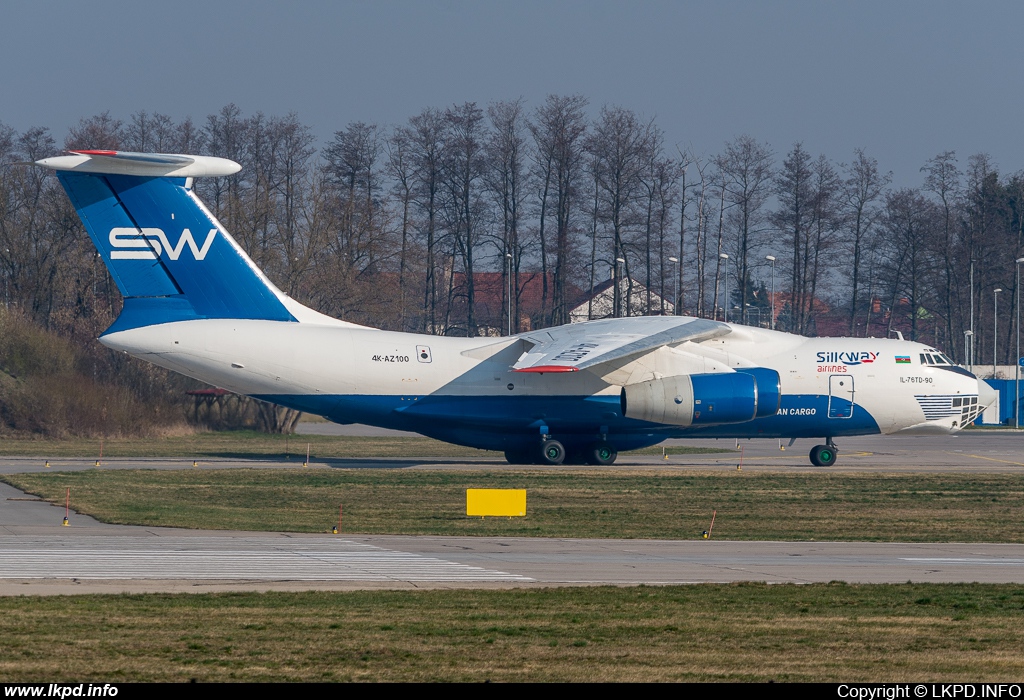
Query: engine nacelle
[[695, 399], [769, 389]]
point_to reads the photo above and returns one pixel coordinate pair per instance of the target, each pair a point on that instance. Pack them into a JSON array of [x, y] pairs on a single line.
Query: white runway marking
[[950, 560], [235, 558]]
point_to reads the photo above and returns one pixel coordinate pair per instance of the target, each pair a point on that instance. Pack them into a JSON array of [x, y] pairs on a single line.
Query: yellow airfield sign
[[507, 502]]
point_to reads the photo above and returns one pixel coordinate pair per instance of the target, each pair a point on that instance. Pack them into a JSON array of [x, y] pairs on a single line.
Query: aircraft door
[[840, 396]]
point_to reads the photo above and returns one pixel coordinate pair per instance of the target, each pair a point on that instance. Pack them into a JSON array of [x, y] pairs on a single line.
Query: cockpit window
[[934, 358]]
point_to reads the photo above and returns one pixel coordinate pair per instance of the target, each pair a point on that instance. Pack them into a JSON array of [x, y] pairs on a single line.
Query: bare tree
[[984, 226], [668, 191], [558, 130], [506, 181], [400, 168], [292, 148], [862, 188], [352, 159], [463, 170], [907, 263], [426, 148], [794, 189], [827, 221], [620, 145], [595, 216], [660, 181], [102, 132], [47, 263], [225, 134], [747, 170], [702, 213], [719, 185], [942, 179], [1014, 247], [158, 133]]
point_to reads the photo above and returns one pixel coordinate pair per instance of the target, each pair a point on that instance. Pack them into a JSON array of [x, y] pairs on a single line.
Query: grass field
[[661, 504], [743, 632]]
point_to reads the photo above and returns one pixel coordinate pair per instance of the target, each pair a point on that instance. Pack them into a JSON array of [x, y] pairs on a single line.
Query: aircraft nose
[[986, 394]]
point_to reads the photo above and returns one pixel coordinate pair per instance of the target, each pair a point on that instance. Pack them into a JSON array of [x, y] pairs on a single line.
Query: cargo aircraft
[[195, 303]]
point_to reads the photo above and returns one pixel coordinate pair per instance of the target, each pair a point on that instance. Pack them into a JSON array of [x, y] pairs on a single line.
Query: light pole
[[995, 327], [725, 304], [617, 295], [508, 259], [970, 362], [679, 290], [967, 338], [771, 259], [1016, 382], [750, 308]]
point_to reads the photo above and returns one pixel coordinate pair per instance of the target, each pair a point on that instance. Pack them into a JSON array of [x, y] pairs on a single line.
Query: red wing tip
[[548, 368], [95, 153]]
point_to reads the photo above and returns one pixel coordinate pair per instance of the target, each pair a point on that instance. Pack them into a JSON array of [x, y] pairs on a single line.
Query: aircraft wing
[[581, 346]]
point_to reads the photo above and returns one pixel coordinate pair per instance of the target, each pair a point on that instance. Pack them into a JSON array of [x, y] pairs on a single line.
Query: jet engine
[[703, 399], [769, 389]]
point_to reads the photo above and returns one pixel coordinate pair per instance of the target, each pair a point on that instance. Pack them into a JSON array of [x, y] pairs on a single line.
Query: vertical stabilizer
[[169, 256]]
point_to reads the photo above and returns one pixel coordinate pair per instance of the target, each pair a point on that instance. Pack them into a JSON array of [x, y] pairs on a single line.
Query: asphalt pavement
[[38, 555]]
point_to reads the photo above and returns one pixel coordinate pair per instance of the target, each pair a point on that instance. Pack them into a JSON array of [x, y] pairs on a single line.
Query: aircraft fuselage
[[465, 391]]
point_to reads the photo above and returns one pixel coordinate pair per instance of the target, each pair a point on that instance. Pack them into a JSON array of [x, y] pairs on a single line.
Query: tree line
[[393, 225]]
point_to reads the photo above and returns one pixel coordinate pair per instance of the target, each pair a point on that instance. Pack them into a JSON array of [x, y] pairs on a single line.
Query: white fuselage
[[299, 363]]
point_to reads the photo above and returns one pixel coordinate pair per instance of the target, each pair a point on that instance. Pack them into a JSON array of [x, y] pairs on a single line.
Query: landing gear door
[[840, 396]]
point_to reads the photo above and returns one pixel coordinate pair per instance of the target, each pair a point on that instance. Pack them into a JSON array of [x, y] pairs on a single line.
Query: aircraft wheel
[[602, 453], [518, 457], [823, 455], [552, 452]]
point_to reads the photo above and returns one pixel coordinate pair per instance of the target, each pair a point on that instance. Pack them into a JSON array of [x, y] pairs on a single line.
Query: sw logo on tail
[[150, 244]]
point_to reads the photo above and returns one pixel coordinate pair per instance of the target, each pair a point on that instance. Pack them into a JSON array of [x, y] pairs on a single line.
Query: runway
[[218, 557], [44, 560], [38, 556]]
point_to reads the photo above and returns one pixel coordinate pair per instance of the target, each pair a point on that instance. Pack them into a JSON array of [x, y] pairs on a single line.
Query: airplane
[[195, 303]]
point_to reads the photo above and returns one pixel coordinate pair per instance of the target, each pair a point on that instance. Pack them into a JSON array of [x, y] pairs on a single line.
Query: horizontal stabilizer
[[141, 164]]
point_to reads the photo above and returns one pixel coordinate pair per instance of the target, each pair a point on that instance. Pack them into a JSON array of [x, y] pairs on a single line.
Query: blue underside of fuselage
[[509, 423]]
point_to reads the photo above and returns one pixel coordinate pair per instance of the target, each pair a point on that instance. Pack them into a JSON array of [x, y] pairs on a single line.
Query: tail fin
[[169, 256]]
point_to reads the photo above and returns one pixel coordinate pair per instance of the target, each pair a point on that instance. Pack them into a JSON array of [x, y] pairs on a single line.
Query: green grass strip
[[741, 632], [675, 504]]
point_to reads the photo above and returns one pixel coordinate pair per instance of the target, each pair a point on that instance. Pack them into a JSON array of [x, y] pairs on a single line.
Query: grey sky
[[903, 80]]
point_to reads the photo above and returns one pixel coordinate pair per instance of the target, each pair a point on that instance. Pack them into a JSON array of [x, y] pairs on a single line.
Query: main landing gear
[[554, 452], [824, 455], [601, 453]]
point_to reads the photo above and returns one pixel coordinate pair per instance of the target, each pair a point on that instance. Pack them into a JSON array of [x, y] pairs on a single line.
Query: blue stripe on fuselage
[[499, 423], [801, 416]]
